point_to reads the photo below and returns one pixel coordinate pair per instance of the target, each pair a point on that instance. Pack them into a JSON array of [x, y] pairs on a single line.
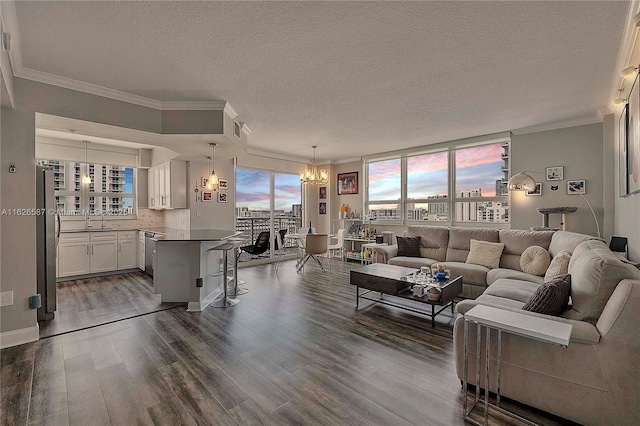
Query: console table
[[521, 324]]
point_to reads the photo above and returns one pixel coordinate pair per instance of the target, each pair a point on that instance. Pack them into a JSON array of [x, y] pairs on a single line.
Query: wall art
[[555, 173], [537, 191], [576, 187], [347, 183]]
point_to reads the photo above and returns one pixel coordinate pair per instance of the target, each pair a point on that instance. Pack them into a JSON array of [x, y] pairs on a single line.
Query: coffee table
[[388, 279]]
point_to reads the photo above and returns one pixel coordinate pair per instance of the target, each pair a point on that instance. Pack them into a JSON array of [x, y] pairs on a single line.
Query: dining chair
[[338, 246], [260, 246], [316, 244]]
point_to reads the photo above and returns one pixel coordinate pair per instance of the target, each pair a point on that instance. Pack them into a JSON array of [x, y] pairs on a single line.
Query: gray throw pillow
[[552, 297], [409, 246]]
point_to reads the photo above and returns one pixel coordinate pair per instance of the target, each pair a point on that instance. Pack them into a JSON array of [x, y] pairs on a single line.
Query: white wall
[[214, 214]]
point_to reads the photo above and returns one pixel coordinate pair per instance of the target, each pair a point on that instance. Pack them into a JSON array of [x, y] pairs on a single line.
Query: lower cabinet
[[94, 252], [141, 251]]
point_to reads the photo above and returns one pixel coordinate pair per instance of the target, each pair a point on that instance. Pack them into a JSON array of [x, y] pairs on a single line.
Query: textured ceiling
[[354, 78]]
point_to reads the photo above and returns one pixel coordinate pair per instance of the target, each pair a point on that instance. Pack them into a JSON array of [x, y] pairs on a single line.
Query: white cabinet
[[73, 254], [168, 185], [127, 250], [104, 252], [141, 251]]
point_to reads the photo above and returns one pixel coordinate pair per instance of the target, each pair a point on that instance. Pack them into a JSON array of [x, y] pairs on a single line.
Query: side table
[[373, 247], [521, 324]]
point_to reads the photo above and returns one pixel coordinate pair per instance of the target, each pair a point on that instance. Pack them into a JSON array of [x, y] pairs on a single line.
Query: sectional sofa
[[592, 381]]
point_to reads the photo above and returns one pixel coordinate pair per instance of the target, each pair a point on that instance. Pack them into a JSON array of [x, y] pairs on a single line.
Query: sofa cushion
[[516, 241], [595, 273], [520, 291], [485, 253], [433, 241], [471, 274], [567, 241], [460, 241], [559, 265], [535, 260], [409, 246], [500, 273], [411, 262], [552, 297]]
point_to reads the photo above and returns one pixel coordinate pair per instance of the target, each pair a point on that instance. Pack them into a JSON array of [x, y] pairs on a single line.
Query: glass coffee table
[[397, 281]]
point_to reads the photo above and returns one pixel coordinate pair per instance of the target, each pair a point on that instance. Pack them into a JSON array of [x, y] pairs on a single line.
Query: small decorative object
[[223, 184], [322, 209], [441, 276], [537, 191], [555, 173], [310, 229], [322, 193], [576, 187], [343, 211], [555, 187], [222, 197], [418, 290], [425, 270], [347, 183], [205, 180], [207, 196], [433, 294]]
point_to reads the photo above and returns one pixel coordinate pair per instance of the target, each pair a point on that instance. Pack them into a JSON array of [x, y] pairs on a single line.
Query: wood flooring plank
[[170, 412], [124, 404], [49, 391], [84, 395], [61, 418]]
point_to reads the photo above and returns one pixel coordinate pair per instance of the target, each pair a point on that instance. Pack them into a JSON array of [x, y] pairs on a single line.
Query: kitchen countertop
[[169, 234], [70, 231]]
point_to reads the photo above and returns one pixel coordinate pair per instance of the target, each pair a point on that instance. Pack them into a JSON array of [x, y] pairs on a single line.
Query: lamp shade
[[521, 182], [628, 72]]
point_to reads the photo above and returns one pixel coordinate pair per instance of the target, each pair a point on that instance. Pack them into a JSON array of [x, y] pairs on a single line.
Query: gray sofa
[[595, 379]]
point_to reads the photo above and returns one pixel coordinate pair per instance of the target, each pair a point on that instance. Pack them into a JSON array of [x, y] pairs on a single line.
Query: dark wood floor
[[294, 351], [94, 301]]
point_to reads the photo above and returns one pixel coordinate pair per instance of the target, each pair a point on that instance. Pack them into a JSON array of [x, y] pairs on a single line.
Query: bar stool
[[234, 282], [224, 301]]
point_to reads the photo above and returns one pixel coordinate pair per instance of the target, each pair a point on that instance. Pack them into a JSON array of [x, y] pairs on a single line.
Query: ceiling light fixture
[[212, 182], [86, 179], [312, 175], [628, 72], [620, 99], [636, 19]]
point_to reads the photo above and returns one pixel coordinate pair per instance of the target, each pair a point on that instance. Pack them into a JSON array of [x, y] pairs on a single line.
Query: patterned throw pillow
[[552, 297], [559, 265], [408, 246]]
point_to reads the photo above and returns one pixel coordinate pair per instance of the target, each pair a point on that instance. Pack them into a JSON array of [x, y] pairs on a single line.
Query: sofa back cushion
[[595, 273], [460, 241], [433, 241], [517, 241], [567, 241]]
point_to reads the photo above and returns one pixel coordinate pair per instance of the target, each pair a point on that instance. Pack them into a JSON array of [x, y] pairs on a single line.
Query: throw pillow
[[559, 265], [485, 253], [409, 246], [535, 260], [552, 297]]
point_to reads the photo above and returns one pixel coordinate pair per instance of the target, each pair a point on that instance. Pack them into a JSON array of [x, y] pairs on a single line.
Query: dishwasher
[[149, 251]]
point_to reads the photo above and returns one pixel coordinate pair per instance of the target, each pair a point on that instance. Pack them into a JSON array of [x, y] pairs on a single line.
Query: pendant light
[[212, 183], [86, 179], [312, 175]]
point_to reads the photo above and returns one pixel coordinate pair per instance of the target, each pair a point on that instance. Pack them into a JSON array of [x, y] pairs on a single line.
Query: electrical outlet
[[197, 213], [6, 298]]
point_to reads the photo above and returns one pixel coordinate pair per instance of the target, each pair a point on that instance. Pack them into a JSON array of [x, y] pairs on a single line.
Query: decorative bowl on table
[[433, 294]]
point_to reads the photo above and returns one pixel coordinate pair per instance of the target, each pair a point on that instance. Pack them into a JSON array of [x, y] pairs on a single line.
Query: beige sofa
[[592, 381]]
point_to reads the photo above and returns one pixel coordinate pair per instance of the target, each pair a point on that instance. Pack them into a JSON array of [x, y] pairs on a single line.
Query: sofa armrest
[[621, 314], [388, 251]]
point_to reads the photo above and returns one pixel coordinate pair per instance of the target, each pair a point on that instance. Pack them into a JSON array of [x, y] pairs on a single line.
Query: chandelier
[[312, 175], [212, 182]]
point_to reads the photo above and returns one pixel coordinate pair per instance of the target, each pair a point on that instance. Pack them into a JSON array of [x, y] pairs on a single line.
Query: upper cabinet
[[168, 185]]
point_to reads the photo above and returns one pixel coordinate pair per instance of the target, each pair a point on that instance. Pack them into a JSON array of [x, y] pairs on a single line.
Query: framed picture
[[633, 140], [207, 196], [223, 184], [555, 173], [322, 193], [622, 151], [576, 186], [322, 209], [537, 191], [347, 183], [205, 180], [222, 197]]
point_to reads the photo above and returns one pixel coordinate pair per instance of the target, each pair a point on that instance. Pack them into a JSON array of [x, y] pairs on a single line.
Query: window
[[467, 184], [111, 192], [428, 187], [481, 194], [384, 189]]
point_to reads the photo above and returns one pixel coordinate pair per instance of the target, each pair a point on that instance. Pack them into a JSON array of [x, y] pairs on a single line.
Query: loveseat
[[592, 381]]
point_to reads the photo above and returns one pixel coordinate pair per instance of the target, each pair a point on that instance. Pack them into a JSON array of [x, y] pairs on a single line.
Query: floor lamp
[[524, 182]]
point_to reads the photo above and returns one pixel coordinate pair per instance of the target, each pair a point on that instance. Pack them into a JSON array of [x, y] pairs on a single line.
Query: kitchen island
[[186, 269]]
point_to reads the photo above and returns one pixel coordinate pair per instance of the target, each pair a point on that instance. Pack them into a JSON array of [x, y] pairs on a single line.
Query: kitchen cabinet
[[73, 254], [167, 185], [103, 256], [141, 251], [127, 250]]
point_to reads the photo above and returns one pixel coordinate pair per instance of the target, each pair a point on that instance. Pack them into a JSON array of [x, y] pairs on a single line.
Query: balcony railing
[[252, 226]]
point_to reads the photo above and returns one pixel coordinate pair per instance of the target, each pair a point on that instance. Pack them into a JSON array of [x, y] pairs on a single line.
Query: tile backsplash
[[177, 218]]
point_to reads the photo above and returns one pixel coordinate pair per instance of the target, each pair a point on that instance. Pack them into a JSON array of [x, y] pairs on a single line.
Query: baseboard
[[19, 337], [201, 305]]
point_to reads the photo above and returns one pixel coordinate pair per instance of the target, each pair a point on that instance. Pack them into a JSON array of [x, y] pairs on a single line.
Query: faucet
[[102, 224], [87, 220]]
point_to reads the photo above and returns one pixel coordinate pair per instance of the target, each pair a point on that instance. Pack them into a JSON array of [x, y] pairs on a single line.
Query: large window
[[466, 184], [111, 191]]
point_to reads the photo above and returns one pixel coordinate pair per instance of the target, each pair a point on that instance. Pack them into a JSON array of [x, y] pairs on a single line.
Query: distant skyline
[[253, 190]]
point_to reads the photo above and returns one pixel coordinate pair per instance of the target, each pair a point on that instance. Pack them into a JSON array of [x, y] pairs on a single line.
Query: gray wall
[[18, 190], [580, 150], [211, 215]]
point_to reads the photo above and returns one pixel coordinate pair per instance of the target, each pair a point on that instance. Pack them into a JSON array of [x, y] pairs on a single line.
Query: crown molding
[[268, 154], [193, 105], [604, 110], [560, 124], [627, 46], [245, 128], [230, 111]]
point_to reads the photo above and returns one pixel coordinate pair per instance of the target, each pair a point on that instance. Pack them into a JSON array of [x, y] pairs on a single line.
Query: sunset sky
[[252, 190]]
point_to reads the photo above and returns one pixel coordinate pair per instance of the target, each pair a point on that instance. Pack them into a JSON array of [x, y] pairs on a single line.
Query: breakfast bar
[[186, 269]]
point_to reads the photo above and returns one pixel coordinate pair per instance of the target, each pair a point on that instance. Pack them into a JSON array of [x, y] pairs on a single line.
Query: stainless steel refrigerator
[[47, 235]]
